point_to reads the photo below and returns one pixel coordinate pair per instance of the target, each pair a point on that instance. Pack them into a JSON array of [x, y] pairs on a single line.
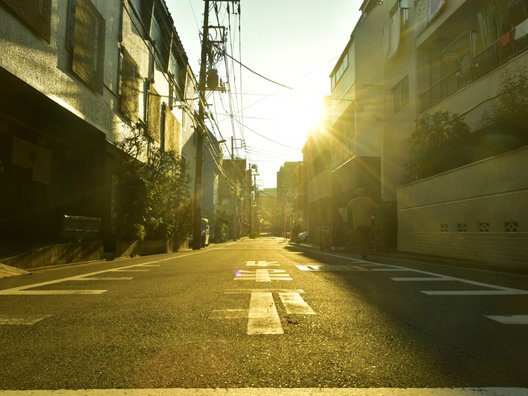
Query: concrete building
[[76, 78], [405, 60], [232, 195], [464, 49], [288, 185]]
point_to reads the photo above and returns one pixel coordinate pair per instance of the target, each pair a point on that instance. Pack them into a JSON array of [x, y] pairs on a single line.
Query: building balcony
[[343, 152], [465, 67]]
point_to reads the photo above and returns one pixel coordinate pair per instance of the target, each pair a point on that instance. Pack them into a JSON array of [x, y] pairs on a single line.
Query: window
[[400, 94], [154, 114], [142, 15], [129, 86], [86, 42], [340, 70], [36, 14], [161, 34]]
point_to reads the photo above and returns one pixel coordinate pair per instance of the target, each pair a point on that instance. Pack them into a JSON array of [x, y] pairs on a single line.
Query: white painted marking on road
[[275, 391], [509, 319], [499, 292], [422, 279], [130, 270], [13, 292], [263, 275], [8, 271], [107, 278], [261, 264], [249, 291], [329, 268], [294, 304], [263, 316], [25, 320], [27, 289]]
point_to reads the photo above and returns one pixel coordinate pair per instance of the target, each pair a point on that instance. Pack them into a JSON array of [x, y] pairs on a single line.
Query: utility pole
[[211, 81], [200, 133]]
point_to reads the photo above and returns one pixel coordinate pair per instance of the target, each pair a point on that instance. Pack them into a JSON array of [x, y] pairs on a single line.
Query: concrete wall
[[47, 68], [476, 212]]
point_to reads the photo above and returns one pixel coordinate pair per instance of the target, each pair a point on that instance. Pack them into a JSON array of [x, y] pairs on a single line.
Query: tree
[[440, 142], [151, 192], [505, 125]]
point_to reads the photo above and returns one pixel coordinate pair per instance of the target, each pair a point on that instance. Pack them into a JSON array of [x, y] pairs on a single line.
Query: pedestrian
[[361, 211]]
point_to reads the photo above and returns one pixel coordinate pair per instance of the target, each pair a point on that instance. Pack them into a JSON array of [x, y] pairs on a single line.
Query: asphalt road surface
[[258, 315]]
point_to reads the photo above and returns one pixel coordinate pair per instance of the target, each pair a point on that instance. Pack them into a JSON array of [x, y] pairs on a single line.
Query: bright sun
[[300, 115]]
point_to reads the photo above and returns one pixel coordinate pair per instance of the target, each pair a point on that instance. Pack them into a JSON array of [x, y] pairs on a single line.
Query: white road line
[[51, 292], [26, 320], [263, 316], [275, 391], [107, 278], [509, 319], [262, 275], [294, 304], [498, 292], [261, 263], [422, 279], [249, 291], [130, 270], [24, 290]]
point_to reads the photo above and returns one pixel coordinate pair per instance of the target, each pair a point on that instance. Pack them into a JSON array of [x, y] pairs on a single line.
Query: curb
[[6, 271]]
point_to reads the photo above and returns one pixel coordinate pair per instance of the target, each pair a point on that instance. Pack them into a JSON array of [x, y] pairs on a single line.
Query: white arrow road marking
[[26, 320], [294, 304], [509, 319], [263, 316]]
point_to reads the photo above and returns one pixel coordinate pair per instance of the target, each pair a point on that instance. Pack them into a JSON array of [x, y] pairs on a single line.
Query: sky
[[295, 43]]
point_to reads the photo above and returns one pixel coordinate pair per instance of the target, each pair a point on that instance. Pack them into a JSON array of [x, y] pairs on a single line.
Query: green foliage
[[506, 125], [440, 142], [151, 192]]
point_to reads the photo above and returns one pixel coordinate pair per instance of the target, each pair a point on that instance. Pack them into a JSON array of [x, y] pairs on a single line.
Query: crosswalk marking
[[509, 319], [263, 316], [25, 320], [294, 304]]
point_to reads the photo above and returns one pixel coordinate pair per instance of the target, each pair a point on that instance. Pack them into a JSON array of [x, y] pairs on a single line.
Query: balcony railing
[[344, 151], [472, 68]]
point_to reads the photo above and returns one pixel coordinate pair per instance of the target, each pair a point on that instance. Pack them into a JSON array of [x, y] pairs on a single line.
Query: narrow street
[[263, 314]]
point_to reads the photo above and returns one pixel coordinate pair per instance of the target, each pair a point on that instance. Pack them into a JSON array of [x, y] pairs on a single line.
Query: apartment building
[[463, 52], [78, 77], [406, 60]]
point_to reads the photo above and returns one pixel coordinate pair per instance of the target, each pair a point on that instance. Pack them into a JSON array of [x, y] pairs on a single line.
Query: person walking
[[361, 210]]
